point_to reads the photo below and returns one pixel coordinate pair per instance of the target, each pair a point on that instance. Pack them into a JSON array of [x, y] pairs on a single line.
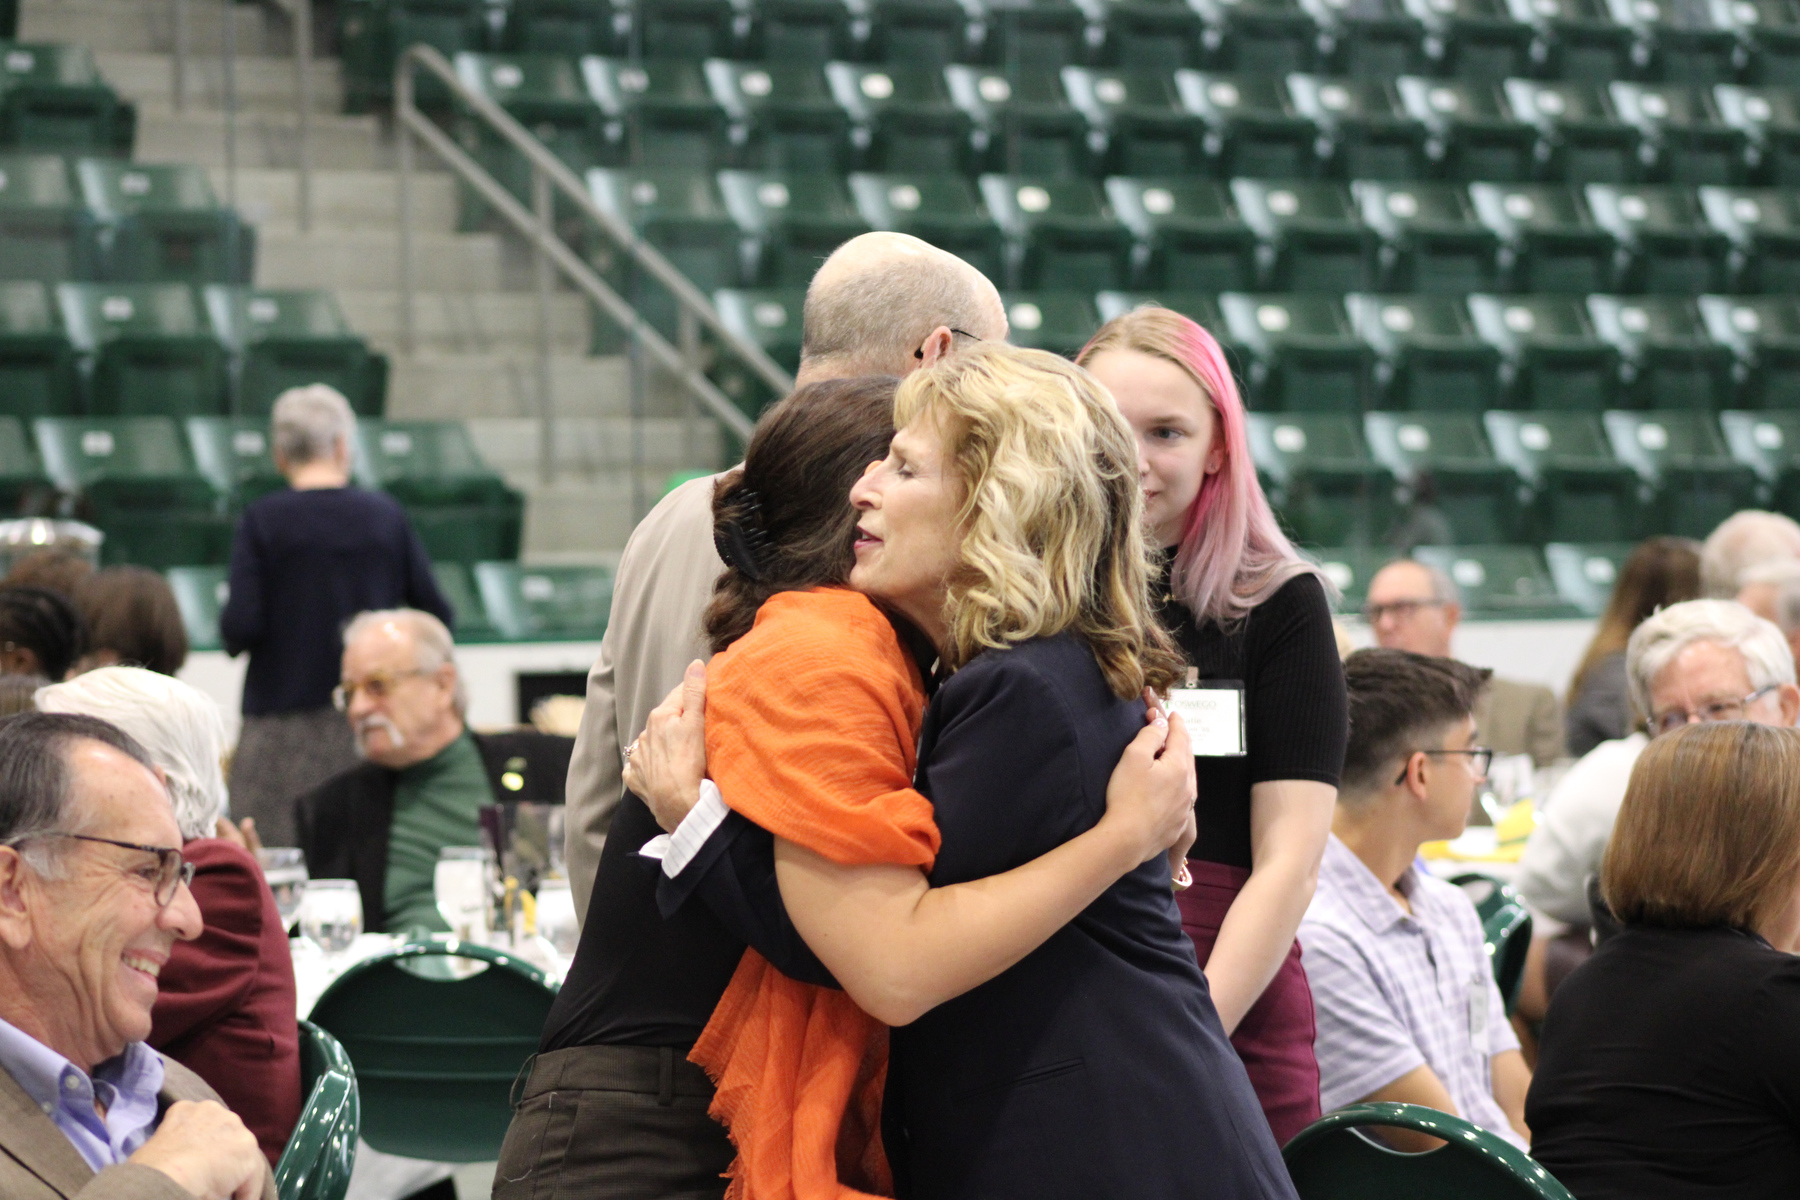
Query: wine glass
[[332, 915], [284, 867], [556, 922], [460, 885]]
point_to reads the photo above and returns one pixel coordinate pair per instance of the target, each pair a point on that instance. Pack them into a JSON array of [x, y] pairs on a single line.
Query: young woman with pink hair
[[1254, 622]]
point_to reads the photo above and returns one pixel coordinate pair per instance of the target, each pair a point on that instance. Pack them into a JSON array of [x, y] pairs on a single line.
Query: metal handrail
[[550, 173]]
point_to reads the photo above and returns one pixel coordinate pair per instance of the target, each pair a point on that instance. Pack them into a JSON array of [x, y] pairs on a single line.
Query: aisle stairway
[[476, 313]]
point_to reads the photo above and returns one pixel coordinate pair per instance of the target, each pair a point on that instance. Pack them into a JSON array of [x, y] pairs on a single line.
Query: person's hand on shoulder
[[204, 1147], [665, 765], [1150, 797]]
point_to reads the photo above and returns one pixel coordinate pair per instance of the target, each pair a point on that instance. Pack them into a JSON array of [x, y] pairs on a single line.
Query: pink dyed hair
[[1232, 555]]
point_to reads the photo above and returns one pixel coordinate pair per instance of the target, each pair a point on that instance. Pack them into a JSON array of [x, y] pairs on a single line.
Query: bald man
[[882, 304]]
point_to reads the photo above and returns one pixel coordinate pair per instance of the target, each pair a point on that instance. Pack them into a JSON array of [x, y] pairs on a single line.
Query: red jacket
[[226, 1006]]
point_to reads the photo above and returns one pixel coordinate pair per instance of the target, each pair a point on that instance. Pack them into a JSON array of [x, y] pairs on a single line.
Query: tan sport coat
[[660, 593], [1520, 718], [38, 1162]]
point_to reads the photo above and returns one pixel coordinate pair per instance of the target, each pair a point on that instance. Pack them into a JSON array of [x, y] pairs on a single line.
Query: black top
[[302, 564], [1097, 1065], [1296, 718], [1670, 1067]]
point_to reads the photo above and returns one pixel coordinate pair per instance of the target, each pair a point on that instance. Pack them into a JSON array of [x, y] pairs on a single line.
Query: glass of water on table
[[284, 867], [331, 915]]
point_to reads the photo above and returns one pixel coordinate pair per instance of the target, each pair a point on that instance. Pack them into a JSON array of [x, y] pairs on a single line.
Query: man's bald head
[[879, 298]]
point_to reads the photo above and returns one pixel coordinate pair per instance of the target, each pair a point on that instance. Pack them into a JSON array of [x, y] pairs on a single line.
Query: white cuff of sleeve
[[677, 849]]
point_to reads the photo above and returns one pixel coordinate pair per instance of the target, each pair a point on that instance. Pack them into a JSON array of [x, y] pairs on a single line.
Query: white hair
[[310, 422], [1742, 543], [1664, 635], [178, 725], [431, 641]]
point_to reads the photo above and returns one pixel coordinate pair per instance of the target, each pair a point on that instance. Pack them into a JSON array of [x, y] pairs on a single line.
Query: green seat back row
[[52, 97]]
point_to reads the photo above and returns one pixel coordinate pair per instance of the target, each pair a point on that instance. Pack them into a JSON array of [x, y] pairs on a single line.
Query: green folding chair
[[1503, 582], [1260, 37], [563, 604], [285, 338], [1350, 568], [38, 376], [1254, 124], [1476, 133], [1189, 235], [1370, 131], [1770, 118], [1585, 573], [1333, 1159], [1505, 930], [46, 233], [1671, 246], [200, 595], [234, 455], [1768, 442], [1024, 121], [458, 587], [320, 1154], [52, 97], [464, 510]]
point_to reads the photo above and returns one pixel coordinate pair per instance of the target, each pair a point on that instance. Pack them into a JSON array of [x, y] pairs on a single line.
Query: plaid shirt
[[1395, 991]]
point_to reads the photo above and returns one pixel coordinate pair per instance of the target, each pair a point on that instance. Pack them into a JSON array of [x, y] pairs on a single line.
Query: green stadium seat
[[25, 488], [1060, 322], [1254, 125], [1579, 491], [1366, 125], [902, 117], [1474, 134], [545, 93], [162, 224], [1585, 572], [289, 338], [1681, 42], [1301, 353], [1770, 30], [1770, 119], [1259, 37], [1200, 307], [1680, 456], [1321, 479], [371, 34], [1146, 127], [795, 219], [38, 377], [1431, 238], [1443, 460], [781, 115], [1059, 233], [1549, 240], [1580, 39], [1036, 33], [929, 32], [1313, 238], [1763, 333], [1552, 358], [768, 318], [1152, 35], [1024, 123], [463, 510], [1189, 234], [52, 97], [1769, 444], [45, 232], [145, 349], [458, 587], [1370, 39], [1667, 360], [1672, 246], [1581, 136], [200, 595], [664, 108], [135, 478], [1685, 138], [1350, 568], [691, 29], [1499, 581], [1474, 39], [546, 603], [1763, 225], [1428, 355], [939, 208], [234, 455], [809, 30], [566, 27], [682, 214]]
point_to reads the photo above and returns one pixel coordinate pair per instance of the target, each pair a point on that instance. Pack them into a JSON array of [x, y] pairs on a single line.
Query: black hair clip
[[741, 541]]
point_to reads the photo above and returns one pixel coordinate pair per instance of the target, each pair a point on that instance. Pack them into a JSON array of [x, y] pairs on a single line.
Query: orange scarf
[[812, 720]]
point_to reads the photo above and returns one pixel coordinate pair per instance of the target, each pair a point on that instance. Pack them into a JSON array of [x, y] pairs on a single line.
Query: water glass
[[284, 867], [332, 915], [556, 922], [460, 885]]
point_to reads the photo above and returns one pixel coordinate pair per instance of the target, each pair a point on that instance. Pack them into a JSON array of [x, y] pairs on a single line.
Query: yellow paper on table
[[1502, 842]]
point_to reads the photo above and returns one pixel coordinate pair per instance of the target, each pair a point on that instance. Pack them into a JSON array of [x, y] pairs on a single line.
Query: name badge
[[1213, 711]]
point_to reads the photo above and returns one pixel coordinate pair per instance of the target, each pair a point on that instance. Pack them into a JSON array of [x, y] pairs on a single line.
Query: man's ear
[[17, 879], [937, 344]]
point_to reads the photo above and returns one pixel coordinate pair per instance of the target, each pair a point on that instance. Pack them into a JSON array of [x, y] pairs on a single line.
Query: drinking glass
[[285, 869], [332, 915], [556, 922], [460, 885]]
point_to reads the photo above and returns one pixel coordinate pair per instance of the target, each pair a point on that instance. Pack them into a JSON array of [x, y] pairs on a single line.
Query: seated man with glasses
[[1404, 995], [426, 776], [93, 899]]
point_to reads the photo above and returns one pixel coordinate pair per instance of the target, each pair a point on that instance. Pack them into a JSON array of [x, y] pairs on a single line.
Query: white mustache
[[376, 721]]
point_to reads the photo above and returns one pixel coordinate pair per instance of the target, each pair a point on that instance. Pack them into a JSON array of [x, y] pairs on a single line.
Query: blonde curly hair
[[1054, 537]]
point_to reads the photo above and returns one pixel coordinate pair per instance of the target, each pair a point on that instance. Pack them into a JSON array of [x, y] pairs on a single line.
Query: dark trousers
[[603, 1121]]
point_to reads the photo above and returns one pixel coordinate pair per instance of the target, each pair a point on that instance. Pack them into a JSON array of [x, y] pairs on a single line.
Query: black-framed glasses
[[920, 352], [171, 872], [1718, 710], [1404, 609], [1480, 759], [379, 686]]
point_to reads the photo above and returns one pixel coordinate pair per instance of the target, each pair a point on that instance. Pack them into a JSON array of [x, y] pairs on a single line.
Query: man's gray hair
[[869, 321], [178, 725], [1743, 542], [1443, 588], [1663, 636], [309, 423], [37, 796], [432, 644]]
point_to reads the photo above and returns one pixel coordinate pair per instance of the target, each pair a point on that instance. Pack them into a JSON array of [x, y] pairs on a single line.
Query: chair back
[[319, 1156], [1333, 1159], [1505, 927], [436, 1048]]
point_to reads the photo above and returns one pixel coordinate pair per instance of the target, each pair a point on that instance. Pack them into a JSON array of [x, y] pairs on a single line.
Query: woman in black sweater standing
[[1253, 620]]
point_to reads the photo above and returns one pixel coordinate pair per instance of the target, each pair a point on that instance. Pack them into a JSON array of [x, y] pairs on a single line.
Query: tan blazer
[[660, 593], [1520, 718], [38, 1162]]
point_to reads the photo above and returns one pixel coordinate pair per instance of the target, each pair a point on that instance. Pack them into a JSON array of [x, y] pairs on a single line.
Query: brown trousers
[[605, 1121]]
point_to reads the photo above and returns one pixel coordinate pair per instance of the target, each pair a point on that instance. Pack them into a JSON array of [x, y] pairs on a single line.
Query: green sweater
[[435, 805]]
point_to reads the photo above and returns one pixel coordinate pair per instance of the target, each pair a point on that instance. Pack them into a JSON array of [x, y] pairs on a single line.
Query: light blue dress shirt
[[127, 1085]]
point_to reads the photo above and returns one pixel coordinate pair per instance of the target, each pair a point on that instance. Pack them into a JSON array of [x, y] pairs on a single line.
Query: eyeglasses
[[1718, 710], [171, 872], [920, 352], [1480, 758], [1403, 609], [379, 686]]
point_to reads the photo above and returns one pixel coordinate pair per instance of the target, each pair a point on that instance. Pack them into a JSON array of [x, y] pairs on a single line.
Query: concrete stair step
[[590, 448], [342, 201], [263, 140], [148, 26], [262, 84], [583, 521], [369, 260], [462, 386], [469, 322]]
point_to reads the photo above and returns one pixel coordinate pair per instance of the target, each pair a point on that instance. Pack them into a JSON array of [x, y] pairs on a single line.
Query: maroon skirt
[[1275, 1038]]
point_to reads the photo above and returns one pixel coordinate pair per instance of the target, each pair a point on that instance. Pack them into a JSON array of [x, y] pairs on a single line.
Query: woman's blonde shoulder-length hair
[[1052, 516]]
